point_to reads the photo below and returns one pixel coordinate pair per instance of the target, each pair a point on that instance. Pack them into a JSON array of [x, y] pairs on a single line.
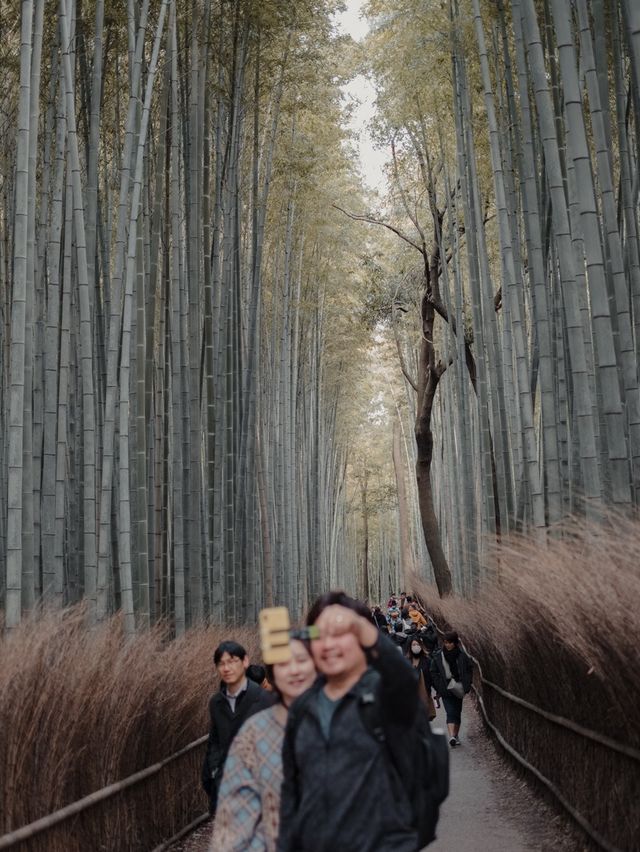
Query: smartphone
[[274, 634]]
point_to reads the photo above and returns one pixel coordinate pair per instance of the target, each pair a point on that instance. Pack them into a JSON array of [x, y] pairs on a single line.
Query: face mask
[[415, 650]]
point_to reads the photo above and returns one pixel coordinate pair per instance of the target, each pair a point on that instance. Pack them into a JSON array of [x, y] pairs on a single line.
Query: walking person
[[429, 638], [393, 618], [258, 674], [418, 657], [399, 637], [408, 624], [336, 774], [248, 812], [416, 616], [451, 674], [237, 699], [380, 620]]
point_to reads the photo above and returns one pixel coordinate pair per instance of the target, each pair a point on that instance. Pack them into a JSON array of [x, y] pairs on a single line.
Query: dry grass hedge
[[80, 709], [560, 628]]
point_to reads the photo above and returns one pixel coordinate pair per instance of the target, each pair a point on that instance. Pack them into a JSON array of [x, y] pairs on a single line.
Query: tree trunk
[[365, 534], [407, 563], [428, 377], [18, 324]]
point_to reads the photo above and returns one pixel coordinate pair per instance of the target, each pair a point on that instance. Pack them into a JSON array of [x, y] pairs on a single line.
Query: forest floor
[[489, 809]]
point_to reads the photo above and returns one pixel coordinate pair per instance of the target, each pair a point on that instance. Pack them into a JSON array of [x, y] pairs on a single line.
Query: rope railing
[[607, 742], [26, 832], [577, 816], [167, 844], [601, 739], [45, 823]]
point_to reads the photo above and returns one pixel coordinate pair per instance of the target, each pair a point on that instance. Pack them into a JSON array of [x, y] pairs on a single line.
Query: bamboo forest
[[234, 372]]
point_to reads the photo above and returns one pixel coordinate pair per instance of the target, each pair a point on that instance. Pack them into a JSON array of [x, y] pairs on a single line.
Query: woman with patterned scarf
[[249, 800]]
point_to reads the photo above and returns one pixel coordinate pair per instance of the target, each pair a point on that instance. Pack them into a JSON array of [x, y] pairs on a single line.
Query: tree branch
[[441, 310], [360, 218], [403, 365], [403, 195]]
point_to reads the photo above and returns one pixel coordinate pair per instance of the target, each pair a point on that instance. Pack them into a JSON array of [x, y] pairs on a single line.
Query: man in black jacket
[[338, 792], [237, 699]]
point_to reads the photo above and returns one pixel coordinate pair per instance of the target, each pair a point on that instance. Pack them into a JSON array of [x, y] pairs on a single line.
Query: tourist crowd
[[332, 748]]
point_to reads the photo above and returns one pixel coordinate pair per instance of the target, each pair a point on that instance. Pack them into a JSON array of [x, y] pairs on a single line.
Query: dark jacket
[[429, 637], [424, 666], [381, 621], [465, 670], [224, 725], [338, 794], [399, 639]]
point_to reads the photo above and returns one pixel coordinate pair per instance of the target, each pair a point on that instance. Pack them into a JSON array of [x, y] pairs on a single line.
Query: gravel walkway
[[489, 808]]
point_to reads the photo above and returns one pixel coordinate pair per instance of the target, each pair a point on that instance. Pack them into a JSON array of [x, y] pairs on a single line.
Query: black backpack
[[424, 773]]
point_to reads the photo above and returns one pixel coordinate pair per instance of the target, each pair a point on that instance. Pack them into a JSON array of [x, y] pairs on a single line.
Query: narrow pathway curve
[[490, 809]]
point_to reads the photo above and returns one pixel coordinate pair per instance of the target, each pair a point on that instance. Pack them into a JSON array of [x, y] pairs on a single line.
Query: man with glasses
[[237, 699]]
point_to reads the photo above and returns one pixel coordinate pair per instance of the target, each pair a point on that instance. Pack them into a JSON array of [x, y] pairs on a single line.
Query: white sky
[[361, 91]]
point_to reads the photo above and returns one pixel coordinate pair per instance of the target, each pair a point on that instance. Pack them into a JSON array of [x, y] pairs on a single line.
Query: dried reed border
[[558, 720], [41, 825], [578, 817], [86, 709], [556, 634], [614, 745]]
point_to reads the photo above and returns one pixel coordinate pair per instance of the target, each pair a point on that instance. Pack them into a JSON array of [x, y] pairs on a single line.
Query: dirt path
[[196, 842], [489, 808]]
